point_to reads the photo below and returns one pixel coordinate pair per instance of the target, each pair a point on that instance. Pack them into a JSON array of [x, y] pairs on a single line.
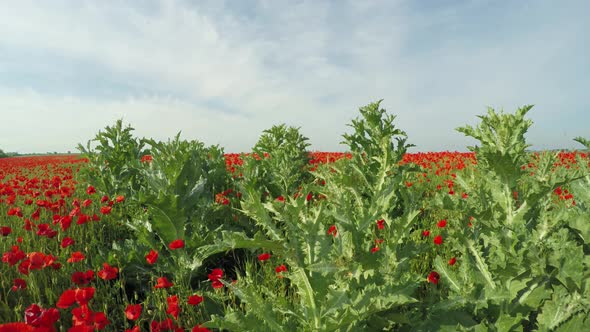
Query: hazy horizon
[[223, 71]]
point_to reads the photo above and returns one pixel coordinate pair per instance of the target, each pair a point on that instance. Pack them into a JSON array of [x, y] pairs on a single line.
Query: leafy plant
[[583, 141], [346, 268], [115, 161], [514, 271], [279, 162]]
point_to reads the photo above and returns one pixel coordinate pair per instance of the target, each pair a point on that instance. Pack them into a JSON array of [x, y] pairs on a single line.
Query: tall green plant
[[346, 255], [514, 270], [114, 161], [280, 161]]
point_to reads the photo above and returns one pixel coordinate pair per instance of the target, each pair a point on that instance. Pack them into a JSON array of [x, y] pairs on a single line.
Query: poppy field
[[136, 234]]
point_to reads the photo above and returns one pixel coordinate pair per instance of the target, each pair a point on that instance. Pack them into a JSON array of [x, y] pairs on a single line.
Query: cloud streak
[[222, 72]]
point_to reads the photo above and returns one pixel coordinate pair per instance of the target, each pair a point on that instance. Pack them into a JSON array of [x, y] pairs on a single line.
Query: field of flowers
[[141, 235]]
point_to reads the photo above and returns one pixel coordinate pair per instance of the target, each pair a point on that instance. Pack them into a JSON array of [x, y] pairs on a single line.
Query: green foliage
[[522, 264], [372, 141], [338, 282], [114, 162], [503, 145], [279, 162], [583, 141], [3, 154]]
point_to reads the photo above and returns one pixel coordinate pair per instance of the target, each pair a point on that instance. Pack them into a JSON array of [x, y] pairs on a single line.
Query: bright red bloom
[[281, 268], [108, 272], [332, 230], [104, 199], [280, 199], [263, 257], [66, 242], [134, 329], [119, 198], [66, 299], [87, 202], [163, 283], [90, 190], [214, 276], [82, 219], [146, 159], [14, 256], [173, 308], [16, 327], [433, 277], [380, 223], [18, 283], [176, 244], [151, 257], [133, 311], [5, 230], [82, 278], [105, 209], [195, 299], [442, 223], [374, 249], [45, 230], [83, 295], [425, 233], [76, 257], [309, 196], [35, 316], [452, 261], [438, 240]]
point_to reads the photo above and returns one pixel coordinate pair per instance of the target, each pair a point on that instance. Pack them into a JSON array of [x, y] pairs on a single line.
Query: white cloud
[[310, 64]]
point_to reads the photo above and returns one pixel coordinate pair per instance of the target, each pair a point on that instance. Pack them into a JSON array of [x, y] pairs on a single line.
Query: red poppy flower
[[442, 223], [426, 233], [438, 240], [134, 329], [104, 199], [119, 198], [374, 249], [163, 283], [90, 190], [332, 230], [146, 159], [151, 257], [280, 199], [433, 277], [5, 230], [66, 299], [452, 261], [16, 327], [133, 311], [40, 318], [105, 209], [18, 283], [108, 272], [195, 299], [83, 295], [66, 242], [380, 223], [176, 244], [82, 278], [263, 257], [173, 308], [214, 276], [76, 257]]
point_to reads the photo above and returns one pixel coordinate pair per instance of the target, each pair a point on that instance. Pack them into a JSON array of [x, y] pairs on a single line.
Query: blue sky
[[223, 71]]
